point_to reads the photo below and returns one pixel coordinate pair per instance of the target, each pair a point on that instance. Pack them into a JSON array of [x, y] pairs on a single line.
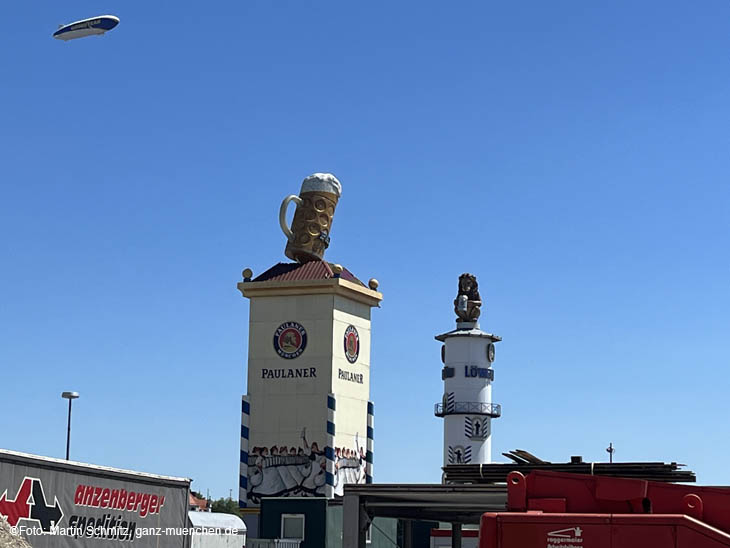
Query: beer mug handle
[[282, 214]]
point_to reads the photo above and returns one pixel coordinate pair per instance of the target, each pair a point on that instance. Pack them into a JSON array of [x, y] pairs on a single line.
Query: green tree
[[226, 506]]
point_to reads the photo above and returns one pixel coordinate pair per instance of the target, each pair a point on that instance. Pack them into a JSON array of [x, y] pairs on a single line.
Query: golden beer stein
[[309, 234]]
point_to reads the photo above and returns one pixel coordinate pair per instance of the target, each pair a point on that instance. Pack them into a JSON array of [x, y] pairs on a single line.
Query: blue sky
[[573, 156]]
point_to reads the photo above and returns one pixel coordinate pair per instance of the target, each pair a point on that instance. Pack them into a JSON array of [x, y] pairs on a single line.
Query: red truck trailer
[[558, 510]]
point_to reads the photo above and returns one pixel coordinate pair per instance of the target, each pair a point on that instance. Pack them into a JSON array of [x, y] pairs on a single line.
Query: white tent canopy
[[216, 530]]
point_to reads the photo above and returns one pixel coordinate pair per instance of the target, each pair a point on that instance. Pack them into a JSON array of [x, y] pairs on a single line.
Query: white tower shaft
[[466, 406]]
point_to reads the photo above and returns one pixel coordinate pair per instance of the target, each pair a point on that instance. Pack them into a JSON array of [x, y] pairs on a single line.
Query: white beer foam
[[322, 182]]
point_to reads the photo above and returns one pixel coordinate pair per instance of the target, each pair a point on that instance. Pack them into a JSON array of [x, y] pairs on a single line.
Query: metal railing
[[468, 407], [272, 543]]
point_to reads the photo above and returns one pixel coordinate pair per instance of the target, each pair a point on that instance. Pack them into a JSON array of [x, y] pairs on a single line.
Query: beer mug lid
[[322, 182]]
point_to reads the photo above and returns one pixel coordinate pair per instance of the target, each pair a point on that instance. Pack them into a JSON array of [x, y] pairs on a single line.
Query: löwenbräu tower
[[466, 405]]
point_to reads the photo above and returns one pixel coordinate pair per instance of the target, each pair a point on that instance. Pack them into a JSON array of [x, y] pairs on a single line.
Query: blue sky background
[[573, 155]]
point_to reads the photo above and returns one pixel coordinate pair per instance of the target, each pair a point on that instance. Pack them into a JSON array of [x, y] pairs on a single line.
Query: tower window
[[292, 526]]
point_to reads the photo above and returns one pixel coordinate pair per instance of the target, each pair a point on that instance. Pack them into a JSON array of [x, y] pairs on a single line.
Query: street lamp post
[[610, 450], [70, 396]]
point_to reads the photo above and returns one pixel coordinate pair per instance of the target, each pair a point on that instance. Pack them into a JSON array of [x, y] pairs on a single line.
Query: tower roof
[[313, 270], [468, 332], [315, 277]]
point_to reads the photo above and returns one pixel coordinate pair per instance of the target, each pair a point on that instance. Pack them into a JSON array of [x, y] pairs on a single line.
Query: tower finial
[[309, 235], [468, 302]]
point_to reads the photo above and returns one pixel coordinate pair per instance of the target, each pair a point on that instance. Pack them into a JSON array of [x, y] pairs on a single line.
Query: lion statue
[[468, 301]]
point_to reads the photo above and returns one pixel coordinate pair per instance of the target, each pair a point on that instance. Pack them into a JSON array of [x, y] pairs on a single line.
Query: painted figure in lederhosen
[[316, 478], [304, 464], [272, 484], [283, 468], [295, 467], [256, 474], [361, 475]]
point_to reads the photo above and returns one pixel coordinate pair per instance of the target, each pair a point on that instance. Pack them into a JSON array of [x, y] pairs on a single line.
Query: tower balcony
[[493, 410]]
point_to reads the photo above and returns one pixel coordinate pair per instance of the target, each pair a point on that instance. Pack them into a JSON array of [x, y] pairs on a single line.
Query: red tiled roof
[[195, 501], [314, 270]]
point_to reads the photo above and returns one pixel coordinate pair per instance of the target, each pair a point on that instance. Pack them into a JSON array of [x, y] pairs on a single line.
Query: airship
[[86, 27]]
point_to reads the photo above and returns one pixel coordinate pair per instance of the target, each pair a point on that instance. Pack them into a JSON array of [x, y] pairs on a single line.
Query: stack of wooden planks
[[525, 463]]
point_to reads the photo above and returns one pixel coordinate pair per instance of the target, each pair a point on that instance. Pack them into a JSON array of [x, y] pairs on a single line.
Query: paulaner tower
[[466, 406], [307, 419]]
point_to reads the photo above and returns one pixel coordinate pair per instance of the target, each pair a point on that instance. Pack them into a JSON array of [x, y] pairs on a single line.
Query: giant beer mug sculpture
[[309, 234]]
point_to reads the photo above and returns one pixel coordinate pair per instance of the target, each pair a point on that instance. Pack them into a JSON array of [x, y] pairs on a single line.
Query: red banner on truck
[[62, 504]]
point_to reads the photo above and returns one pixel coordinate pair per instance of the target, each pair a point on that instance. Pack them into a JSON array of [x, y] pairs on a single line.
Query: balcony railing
[[493, 410], [272, 543]]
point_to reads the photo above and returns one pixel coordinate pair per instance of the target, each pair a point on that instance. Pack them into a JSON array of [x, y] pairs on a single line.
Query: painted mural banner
[[56, 503], [283, 470]]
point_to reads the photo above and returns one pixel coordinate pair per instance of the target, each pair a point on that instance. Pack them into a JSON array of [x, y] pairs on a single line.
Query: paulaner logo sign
[[345, 375], [352, 344], [303, 373], [290, 340]]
